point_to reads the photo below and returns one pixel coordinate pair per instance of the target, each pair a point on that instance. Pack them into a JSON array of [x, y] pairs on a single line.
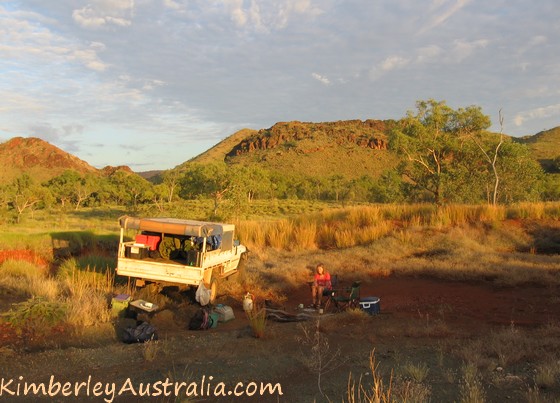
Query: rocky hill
[[42, 160], [348, 148]]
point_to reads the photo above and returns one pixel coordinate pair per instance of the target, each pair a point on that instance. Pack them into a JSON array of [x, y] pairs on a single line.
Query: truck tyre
[[213, 290]]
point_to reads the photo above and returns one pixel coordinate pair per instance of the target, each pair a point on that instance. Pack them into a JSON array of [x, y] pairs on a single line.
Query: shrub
[[36, 320], [257, 320]]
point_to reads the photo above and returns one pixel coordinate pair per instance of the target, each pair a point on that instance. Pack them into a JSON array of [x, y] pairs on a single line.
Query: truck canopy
[[175, 226]]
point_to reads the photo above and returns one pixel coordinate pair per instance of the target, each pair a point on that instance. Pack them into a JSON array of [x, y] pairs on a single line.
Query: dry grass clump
[[471, 389], [257, 320], [81, 295], [28, 279], [377, 390], [415, 372], [547, 373]]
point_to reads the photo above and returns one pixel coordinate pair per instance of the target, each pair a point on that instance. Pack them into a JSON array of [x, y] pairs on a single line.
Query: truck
[[181, 252]]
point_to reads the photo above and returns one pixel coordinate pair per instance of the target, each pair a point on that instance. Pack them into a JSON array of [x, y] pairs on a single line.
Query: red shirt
[[322, 280]]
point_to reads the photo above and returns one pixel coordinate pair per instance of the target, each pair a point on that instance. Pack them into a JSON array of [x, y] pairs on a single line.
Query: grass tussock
[[257, 320]]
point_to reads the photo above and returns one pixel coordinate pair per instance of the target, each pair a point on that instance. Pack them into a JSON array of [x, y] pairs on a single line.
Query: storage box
[[371, 305], [150, 240], [136, 251], [119, 304], [224, 312]]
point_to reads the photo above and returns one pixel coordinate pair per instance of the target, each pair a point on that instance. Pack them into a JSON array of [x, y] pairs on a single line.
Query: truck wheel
[[213, 290]]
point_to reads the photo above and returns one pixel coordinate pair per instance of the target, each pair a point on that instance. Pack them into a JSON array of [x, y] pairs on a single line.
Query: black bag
[[201, 320], [140, 334]]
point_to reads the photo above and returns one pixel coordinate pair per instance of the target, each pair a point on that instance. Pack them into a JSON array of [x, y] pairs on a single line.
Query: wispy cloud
[[265, 16], [101, 13], [322, 79], [538, 113], [441, 11]]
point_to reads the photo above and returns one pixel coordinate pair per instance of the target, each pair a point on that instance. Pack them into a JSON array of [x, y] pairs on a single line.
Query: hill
[[42, 161], [544, 146], [38, 158], [349, 148], [220, 150]]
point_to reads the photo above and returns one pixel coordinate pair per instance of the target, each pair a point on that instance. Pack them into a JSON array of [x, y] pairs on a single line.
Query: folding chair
[[350, 299], [330, 293]]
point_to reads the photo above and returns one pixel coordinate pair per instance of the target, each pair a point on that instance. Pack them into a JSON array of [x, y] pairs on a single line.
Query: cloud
[[322, 79], [537, 113], [105, 12], [389, 64], [31, 43], [89, 58], [464, 49], [427, 54], [442, 10], [264, 16]]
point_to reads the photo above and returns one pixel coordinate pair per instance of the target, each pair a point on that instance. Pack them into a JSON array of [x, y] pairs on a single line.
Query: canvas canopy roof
[[175, 226]]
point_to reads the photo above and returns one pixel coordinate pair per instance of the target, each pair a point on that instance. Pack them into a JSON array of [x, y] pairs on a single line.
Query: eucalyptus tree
[[24, 193], [431, 143]]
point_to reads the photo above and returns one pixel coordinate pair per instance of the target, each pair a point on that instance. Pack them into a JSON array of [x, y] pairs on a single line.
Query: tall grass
[[355, 226]]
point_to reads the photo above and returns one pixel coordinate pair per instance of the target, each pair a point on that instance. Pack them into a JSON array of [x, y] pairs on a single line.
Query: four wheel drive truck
[[171, 251]]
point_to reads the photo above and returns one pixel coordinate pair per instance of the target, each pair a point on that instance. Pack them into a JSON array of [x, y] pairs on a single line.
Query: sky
[[153, 83]]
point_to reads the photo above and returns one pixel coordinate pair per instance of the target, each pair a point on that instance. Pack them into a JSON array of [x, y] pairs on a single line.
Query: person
[[321, 282]]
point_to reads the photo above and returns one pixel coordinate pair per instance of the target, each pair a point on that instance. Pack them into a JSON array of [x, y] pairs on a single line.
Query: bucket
[[215, 317], [248, 302]]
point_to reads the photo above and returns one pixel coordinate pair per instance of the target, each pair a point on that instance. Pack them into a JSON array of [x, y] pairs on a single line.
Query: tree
[[24, 194], [491, 155], [212, 180], [521, 175], [130, 189], [431, 141], [62, 186], [171, 181]]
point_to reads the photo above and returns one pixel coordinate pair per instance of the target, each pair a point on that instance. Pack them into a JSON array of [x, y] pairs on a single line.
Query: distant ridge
[[350, 149]]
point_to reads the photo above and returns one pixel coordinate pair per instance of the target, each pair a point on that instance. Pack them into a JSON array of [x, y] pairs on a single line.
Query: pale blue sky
[[153, 83]]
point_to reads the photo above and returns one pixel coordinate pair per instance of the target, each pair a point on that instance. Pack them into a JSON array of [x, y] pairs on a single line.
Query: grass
[[257, 320]]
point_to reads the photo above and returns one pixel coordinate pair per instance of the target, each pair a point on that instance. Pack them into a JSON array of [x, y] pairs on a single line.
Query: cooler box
[[225, 313], [119, 304], [371, 305], [136, 251]]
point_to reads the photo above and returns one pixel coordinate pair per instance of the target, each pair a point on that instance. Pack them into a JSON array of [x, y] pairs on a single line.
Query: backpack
[[201, 320], [140, 334]]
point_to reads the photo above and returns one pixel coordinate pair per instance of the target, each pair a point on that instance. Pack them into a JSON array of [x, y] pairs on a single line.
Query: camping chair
[[350, 299], [328, 294]]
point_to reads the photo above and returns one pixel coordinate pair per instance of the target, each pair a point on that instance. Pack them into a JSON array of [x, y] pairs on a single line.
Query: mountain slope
[[544, 146], [38, 158], [220, 150], [349, 148]]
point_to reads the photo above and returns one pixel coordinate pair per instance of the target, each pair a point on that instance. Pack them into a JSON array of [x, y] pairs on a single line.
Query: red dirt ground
[[231, 354]]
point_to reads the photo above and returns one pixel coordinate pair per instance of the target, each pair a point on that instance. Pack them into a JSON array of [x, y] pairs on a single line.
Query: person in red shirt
[[321, 282]]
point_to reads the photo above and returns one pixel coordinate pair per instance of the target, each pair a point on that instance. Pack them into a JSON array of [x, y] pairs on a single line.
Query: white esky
[[153, 83]]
